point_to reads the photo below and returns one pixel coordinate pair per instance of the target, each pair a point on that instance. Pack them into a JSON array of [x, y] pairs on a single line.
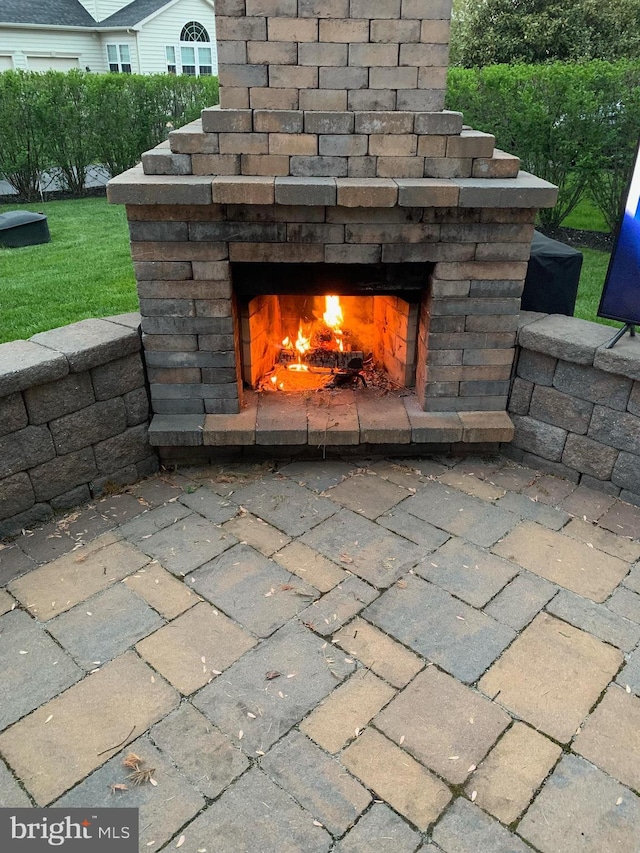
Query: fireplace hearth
[[330, 169]]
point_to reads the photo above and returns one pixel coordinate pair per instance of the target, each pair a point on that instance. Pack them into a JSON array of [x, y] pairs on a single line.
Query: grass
[[85, 271]]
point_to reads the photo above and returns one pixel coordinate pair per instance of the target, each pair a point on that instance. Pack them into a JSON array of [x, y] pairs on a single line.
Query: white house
[[142, 37]]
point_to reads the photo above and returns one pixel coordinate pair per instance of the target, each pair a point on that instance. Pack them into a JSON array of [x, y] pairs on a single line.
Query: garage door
[[52, 63], [6, 63]]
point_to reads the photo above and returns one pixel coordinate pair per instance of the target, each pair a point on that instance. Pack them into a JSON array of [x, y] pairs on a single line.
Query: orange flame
[[303, 343], [333, 313]]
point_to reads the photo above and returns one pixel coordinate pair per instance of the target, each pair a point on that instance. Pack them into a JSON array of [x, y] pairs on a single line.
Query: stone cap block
[[176, 430], [231, 189], [427, 192], [131, 320], [624, 358], [161, 161], [486, 427], [306, 191], [27, 363], [563, 337], [443, 123], [215, 120], [134, 187], [90, 342], [367, 192], [499, 165], [525, 190]]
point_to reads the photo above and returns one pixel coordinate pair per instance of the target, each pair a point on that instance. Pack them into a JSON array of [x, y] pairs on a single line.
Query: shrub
[[572, 124], [63, 123]]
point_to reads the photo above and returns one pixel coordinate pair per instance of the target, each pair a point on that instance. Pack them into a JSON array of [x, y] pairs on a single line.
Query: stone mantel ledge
[[525, 191], [580, 341]]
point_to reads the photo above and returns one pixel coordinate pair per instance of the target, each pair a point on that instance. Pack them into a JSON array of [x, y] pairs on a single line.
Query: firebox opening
[[310, 327]]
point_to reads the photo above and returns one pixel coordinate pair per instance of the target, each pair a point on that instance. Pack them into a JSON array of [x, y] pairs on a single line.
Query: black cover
[[552, 278], [22, 228]]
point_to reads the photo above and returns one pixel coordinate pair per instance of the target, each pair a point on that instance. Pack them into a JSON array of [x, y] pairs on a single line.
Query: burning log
[[320, 357]]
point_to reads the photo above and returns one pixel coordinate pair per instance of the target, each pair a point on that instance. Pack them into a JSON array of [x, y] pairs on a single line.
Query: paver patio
[[358, 655]]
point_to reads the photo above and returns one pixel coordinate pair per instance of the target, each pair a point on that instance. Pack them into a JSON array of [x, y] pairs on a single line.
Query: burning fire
[[333, 318]]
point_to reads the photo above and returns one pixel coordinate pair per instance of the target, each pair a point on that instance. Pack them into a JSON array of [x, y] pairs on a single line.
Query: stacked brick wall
[[74, 414], [576, 404], [333, 54], [183, 256], [330, 144]]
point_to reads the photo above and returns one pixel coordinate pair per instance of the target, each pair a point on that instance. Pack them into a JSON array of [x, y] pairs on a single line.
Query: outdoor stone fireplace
[[330, 179]]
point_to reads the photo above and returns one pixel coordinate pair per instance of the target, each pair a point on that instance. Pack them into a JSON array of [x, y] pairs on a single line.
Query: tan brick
[[241, 29], [373, 54], [507, 779], [445, 725], [398, 145], [400, 167], [397, 778], [271, 7], [234, 99], [428, 192], [393, 78], [383, 122], [244, 143], [88, 723], [177, 251], [500, 165], [256, 533], [343, 145], [321, 53], [215, 164], [276, 253], [366, 192], [310, 566], [323, 99], [272, 52], [344, 31], [63, 583], [551, 676], [558, 558], [471, 143], [162, 591], [403, 32], [610, 737], [432, 146], [293, 143], [424, 55], [447, 167], [278, 121], [347, 710], [435, 32], [292, 29], [235, 190], [379, 652], [323, 8], [290, 77], [482, 270], [387, 9], [176, 650], [429, 9], [265, 165], [273, 99]]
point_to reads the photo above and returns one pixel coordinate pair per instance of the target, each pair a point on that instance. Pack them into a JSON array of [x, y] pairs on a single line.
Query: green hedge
[[575, 125], [63, 123]]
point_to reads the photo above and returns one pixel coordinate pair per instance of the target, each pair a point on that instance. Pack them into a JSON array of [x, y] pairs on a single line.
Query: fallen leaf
[[317, 823], [117, 787], [132, 761], [240, 734], [402, 584], [273, 673], [181, 841], [471, 768], [49, 718], [345, 558], [251, 716], [619, 801], [139, 777], [474, 794], [401, 740], [627, 688]]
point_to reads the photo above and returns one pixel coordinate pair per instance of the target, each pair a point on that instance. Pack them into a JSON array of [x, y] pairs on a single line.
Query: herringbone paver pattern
[[342, 656]]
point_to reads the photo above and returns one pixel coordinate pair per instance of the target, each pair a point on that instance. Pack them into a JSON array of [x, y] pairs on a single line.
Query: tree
[[486, 32]]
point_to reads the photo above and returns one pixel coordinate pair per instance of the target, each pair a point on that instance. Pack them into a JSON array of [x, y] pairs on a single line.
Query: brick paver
[[552, 675], [448, 727], [436, 655]]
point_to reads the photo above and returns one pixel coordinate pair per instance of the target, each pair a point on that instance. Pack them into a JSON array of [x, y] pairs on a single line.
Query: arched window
[[193, 31], [194, 55]]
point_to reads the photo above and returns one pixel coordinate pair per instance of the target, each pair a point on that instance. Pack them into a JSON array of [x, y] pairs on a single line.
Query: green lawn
[[85, 271]]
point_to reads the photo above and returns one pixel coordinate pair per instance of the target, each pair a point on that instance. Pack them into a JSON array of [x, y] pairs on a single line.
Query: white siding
[[6, 63], [121, 37], [165, 30], [51, 63], [55, 44]]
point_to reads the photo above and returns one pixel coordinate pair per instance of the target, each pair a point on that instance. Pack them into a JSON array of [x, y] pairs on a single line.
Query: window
[[119, 58], [193, 31], [171, 60], [194, 55], [188, 59]]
